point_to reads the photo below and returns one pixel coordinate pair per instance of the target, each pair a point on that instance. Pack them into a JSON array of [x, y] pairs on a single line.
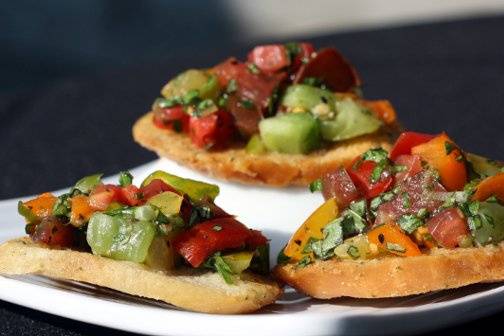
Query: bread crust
[[189, 289], [396, 276], [275, 169]]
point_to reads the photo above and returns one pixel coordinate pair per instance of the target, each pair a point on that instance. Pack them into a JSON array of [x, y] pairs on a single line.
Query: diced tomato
[[442, 154], [340, 186], [80, 211], [156, 186], [332, 68], [414, 194], [406, 141], [254, 89], [214, 130], [256, 239], [53, 232], [361, 177], [102, 195], [174, 118], [305, 52], [206, 238], [130, 195], [42, 205], [412, 165], [491, 186], [269, 58], [448, 227]]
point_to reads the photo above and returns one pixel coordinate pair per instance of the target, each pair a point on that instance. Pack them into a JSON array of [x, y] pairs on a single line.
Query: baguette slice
[[188, 289], [275, 169], [396, 276]]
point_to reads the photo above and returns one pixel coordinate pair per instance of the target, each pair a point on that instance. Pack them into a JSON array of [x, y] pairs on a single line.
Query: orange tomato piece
[[389, 237], [80, 211], [41, 206], [491, 186], [311, 228], [383, 109], [443, 154]]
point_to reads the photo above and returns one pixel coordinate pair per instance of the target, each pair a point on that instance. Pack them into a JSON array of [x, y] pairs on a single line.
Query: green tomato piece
[[489, 225], [206, 84], [24, 211], [255, 145], [306, 98], [101, 232], [196, 190], [168, 202], [238, 261], [483, 166], [86, 184], [293, 133], [161, 255], [351, 121], [133, 240], [145, 213]]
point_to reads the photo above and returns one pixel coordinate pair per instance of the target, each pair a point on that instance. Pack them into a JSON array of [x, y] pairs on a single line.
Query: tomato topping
[[102, 195], [269, 58], [41, 206], [361, 176], [406, 141], [332, 68], [52, 231], [256, 239], [156, 186], [448, 227], [173, 118], [390, 238], [206, 238], [383, 109], [252, 96], [340, 186], [491, 186], [130, 195], [80, 211], [414, 194], [214, 130], [305, 52], [442, 154], [412, 165]]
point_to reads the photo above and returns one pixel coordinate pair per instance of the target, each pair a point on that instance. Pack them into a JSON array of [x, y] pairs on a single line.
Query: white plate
[[278, 212]]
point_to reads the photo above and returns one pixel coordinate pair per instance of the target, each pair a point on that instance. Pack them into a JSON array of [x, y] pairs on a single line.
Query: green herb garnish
[[316, 185], [125, 178], [409, 223], [253, 68]]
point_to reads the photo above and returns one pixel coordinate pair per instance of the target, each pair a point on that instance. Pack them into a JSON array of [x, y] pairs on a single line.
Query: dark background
[[74, 76]]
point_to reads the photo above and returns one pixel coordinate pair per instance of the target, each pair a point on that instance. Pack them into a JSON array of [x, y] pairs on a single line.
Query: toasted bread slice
[[396, 276], [236, 164], [189, 289]]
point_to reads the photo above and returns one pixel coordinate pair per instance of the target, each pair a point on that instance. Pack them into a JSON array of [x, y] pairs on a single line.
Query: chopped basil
[[282, 258], [62, 206], [304, 262], [395, 247], [359, 207], [293, 49], [223, 269], [167, 102], [423, 213], [460, 158], [86, 184], [377, 171], [333, 236], [308, 248], [399, 168], [253, 68], [125, 178], [449, 147], [353, 252], [316, 185], [191, 97], [376, 154], [313, 81], [406, 202], [248, 104], [223, 100], [409, 223], [231, 87]]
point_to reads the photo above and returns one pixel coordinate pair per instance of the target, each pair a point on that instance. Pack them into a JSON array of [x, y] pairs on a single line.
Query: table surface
[[440, 76]]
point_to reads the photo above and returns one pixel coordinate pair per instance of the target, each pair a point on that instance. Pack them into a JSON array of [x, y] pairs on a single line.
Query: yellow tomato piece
[[390, 238], [41, 206], [80, 211], [311, 228]]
